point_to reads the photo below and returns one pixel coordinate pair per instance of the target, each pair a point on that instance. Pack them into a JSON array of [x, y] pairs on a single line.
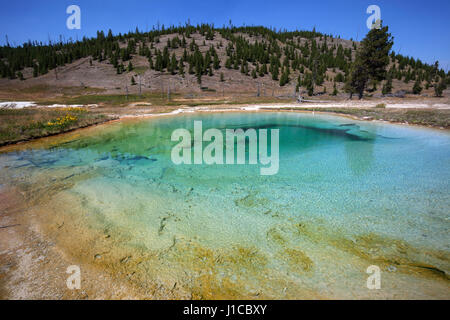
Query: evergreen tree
[[262, 70], [439, 88], [236, 64], [159, 62], [339, 77], [275, 73], [387, 87], [371, 60], [222, 78], [35, 70], [191, 68], [173, 64], [150, 61], [216, 62], [228, 63], [309, 84], [243, 70], [181, 68], [335, 91], [310, 89], [130, 67], [417, 88], [284, 77], [133, 82]]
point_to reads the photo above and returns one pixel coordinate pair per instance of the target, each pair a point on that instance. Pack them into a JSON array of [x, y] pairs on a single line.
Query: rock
[[125, 259], [400, 94], [391, 268]]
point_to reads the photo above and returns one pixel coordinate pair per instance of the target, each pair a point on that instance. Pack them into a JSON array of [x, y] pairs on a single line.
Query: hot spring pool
[[348, 195]]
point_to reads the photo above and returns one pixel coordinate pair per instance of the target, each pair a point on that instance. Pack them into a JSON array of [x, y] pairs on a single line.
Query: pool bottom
[[295, 258]]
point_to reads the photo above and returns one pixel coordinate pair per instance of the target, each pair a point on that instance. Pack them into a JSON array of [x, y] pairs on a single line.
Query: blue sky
[[420, 27]]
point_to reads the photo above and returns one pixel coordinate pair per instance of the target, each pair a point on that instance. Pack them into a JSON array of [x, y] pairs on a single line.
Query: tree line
[[255, 51]]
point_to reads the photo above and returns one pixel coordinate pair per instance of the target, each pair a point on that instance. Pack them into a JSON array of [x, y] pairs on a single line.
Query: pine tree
[[243, 67], [222, 78], [387, 87], [310, 89], [159, 62], [335, 91], [236, 64], [130, 67], [181, 68], [35, 70], [150, 61], [133, 82], [262, 70], [120, 68], [284, 77], [309, 84], [417, 88], [228, 63], [191, 68], [275, 73], [339, 77], [216, 62], [265, 69], [371, 60], [165, 58], [439, 88], [173, 64]]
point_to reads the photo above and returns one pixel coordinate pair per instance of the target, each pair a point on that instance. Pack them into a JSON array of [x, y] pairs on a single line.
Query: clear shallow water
[[348, 195]]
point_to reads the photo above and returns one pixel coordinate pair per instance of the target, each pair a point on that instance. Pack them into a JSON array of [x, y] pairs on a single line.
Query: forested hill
[[309, 60]]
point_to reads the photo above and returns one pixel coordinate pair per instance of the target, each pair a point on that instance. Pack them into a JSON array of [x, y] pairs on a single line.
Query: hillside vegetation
[[207, 59]]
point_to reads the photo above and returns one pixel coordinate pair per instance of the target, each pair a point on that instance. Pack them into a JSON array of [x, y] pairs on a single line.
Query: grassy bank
[[25, 124], [426, 117]]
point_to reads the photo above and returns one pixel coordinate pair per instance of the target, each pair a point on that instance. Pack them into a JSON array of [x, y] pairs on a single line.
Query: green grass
[[24, 124], [139, 71]]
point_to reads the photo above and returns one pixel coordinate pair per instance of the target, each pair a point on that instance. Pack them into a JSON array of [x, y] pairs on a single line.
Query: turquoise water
[[348, 194]]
